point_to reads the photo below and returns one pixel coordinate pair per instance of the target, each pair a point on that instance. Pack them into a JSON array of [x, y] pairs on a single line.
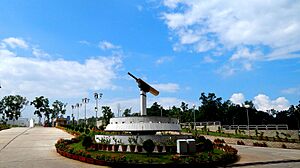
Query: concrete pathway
[[255, 157], [34, 148]]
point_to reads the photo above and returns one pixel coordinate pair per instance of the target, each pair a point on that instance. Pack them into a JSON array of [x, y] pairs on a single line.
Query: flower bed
[[219, 156]]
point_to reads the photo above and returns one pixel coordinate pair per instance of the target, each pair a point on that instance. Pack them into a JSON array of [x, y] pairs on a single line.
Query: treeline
[[11, 107], [214, 109]]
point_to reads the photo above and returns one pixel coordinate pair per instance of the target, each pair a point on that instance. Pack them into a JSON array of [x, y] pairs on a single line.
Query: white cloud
[[226, 71], [171, 3], [245, 28], [164, 59], [241, 60], [39, 53], [166, 87], [188, 37], [139, 8], [56, 78], [105, 45], [15, 42], [244, 53], [2, 45], [247, 66], [6, 53], [204, 45], [208, 59], [84, 42], [237, 98], [292, 91], [124, 104], [263, 102]]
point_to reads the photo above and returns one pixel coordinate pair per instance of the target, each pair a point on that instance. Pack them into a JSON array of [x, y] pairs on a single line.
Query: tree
[[211, 106], [107, 114], [57, 108], [174, 112], [127, 112], [11, 106], [183, 115], [154, 110], [297, 115], [42, 107], [2, 109]]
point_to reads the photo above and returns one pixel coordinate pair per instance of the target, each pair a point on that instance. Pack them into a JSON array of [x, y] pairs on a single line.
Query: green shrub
[[208, 145], [200, 139], [86, 131], [240, 143], [87, 142], [100, 157], [219, 141], [4, 126], [260, 144], [132, 140], [149, 146], [81, 129]]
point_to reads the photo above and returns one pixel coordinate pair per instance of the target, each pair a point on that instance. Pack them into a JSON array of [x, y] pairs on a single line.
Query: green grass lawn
[[205, 158], [159, 158], [239, 136], [137, 157]]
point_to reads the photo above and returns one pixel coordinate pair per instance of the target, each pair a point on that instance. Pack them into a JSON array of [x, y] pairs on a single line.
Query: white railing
[[208, 123], [256, 127]]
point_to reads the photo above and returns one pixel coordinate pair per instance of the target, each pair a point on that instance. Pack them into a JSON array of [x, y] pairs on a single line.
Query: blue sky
[[67, 50]]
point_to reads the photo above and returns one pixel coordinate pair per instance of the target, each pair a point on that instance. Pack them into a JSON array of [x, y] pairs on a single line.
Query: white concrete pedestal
[[31, 123]]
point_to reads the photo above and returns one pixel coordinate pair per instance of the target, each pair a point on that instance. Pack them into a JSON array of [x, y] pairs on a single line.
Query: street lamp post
[[85, 101], [97, 96], [247, 106], [194, 106], [78, 105], [73, 107]]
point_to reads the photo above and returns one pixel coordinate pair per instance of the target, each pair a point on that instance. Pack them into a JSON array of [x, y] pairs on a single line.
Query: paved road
[[34, 148], [267, 157]]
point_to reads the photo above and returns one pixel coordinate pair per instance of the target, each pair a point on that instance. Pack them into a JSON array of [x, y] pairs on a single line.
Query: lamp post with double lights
[[85, 101], [194, 106], [73, 107], [247, 106], [78, 105], [97, 97]]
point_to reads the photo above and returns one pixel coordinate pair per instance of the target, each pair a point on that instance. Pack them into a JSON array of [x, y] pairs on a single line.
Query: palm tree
[[107, 114]]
